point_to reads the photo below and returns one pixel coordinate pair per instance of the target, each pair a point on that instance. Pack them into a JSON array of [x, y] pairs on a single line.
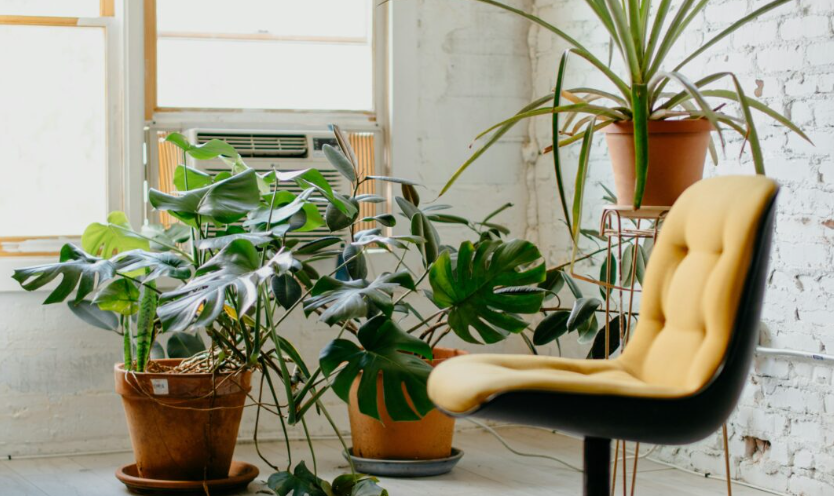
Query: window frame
[[110, 21], [364, 119]]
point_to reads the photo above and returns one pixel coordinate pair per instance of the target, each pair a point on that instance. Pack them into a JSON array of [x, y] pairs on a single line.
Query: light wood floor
[[487, 468]]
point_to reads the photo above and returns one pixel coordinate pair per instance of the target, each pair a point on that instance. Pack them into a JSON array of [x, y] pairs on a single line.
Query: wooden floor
[[487, 468]]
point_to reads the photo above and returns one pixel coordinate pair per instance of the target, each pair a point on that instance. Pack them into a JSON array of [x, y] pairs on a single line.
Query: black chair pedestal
[[597, 465]]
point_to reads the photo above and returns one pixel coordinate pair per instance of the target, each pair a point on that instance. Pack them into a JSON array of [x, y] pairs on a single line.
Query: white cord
[[521, 453], [718, 478]]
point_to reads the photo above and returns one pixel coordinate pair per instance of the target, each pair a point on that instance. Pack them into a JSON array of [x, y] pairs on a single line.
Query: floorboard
[[487, 468]]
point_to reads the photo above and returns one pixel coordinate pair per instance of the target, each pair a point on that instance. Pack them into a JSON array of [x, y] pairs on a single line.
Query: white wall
[[457, 68], [782, 434]]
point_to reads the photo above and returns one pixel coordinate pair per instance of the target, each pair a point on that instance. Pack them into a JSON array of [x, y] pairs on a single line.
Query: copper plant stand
[[628, 226]]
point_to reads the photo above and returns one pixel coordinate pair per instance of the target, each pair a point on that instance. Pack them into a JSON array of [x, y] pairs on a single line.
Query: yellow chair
[[683, 371]]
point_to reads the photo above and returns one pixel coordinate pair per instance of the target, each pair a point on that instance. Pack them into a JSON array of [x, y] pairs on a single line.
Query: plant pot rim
[[662, 127]]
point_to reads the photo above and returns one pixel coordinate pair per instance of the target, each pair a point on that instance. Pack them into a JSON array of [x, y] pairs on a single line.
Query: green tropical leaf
[[357, 485], [301, 482], [184, 345], [345, 300], [225, 201], [551, 328], [390, 179], [94, 316], [120, 296], [388, 351], [597, 351], [237, 266], [160, 264], [286, 289], [78, 269], [196, 179], [116, 236], [583, 310], [339, 162], [480, 287]]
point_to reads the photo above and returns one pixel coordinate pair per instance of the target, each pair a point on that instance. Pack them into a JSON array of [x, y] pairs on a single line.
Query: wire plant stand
[[624, 229]]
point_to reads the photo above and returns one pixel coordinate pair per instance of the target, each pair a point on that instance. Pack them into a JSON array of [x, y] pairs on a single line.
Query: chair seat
[[465, 383]]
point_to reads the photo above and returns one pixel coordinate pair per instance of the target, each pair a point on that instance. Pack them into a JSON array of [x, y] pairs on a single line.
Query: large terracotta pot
[[677, 152], [426, 439], [182, 426]]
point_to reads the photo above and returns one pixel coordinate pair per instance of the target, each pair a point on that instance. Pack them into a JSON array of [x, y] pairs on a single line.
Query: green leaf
[[386, 220], [116, 236], [179, 140], [597, 351], [587, 330], [317, 245], [410, 194], [374, 236], [480, 287], [212, 149], [572, 286], [357, 485], [553, 283], [94, 316], [238, 267], [196, 179], [335, 219], [257, 239], [355, 262], [120, 296], [421, 227], [390, 179], [581, 176], [301, 482], [161, 264], [339, 162], [312, 178], [389, 351], [76, 268], [608, 277], [184, 345], [286, 289], [145, 325], [583, 309], [632, 267], [551, 328], [226, 201], [347, 300]]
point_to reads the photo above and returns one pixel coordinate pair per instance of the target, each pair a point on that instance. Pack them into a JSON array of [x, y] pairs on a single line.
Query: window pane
[[53, 130], [265, 54], [53, 8]]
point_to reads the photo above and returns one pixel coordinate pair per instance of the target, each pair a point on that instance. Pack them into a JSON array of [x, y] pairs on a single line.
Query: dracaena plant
[[643, 34]]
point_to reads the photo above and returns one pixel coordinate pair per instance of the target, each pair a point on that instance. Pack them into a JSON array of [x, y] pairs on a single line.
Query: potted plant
[[657, 138], [219, 303]]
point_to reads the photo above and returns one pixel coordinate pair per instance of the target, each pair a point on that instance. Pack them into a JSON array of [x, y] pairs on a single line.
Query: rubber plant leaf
[[583, 309], [339, 162], [551, 328], [480, 287], [237, 266], [78, 270], [117, 236], [347, 300], [388, 351], [225, 202]]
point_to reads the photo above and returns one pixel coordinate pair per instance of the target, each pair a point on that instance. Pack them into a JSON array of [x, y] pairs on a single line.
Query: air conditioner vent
[[261, 145]]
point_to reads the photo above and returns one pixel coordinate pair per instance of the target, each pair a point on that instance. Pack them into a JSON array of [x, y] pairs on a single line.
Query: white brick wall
[[789, 404]]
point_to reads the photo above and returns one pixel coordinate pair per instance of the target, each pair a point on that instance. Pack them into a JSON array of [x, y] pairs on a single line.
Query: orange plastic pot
[[182, 426], [677, 152], [429, 438]]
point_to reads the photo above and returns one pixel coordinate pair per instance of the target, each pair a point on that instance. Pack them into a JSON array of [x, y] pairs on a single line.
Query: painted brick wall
[[782, 434]]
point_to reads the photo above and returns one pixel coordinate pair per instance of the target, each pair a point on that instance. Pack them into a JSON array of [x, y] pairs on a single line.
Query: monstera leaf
[[114, 237], [225, 201], [77, 268], [301, 482], [287, 206], [347, 300], [387, 350], [120, 296], [484, 286], [237, 266], [209, 150], [94, 316], [161, 264]]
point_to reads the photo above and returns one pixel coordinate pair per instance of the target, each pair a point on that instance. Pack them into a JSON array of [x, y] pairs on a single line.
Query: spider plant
[[643, 34]]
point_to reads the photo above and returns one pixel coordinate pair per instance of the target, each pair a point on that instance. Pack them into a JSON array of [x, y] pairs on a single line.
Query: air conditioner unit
[[265, 150]]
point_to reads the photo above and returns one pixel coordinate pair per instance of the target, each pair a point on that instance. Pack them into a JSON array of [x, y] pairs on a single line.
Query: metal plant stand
[[621, 226]]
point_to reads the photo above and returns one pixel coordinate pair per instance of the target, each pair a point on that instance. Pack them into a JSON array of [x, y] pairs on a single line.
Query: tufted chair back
[[694, 281]]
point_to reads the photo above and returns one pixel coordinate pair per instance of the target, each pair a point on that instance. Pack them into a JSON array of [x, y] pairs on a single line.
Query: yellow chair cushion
[[691, 294]]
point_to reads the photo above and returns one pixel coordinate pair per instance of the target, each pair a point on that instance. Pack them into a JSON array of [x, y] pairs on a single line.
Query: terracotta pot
[[426, 439], [182, 426], [677, 152]]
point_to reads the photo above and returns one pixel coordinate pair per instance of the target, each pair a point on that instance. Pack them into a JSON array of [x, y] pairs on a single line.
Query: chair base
[[597, 467]]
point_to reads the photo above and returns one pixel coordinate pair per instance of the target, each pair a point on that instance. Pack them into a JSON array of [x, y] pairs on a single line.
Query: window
[[54, 123], [263, 54]]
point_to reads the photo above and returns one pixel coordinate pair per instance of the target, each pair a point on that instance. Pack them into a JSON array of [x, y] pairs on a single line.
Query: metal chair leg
[[597, 468]]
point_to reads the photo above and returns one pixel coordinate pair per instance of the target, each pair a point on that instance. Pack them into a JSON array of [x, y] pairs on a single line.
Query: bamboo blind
[[363, 147]]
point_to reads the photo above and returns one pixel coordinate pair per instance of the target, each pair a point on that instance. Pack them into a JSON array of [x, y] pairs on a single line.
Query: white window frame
[[124, 192]]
